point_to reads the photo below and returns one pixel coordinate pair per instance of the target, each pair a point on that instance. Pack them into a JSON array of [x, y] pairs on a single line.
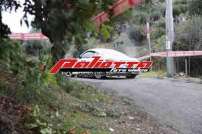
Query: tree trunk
[[57, 51]]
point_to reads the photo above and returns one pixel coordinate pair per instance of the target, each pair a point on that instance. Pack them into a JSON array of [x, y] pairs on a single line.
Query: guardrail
[[172, 54], [28, 36]]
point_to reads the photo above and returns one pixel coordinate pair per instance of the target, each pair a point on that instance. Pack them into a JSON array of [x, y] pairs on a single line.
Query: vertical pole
[[149, 39], [186, 66], [189, 72], [169, 37]]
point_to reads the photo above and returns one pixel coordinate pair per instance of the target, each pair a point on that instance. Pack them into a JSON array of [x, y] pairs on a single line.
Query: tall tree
[[62, 20], [195, 7]]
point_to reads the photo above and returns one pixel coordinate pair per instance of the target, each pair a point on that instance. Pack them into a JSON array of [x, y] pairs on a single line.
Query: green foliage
[[137, 35], [179, 7], [37, 48], [189, 37], [30, 78], [106, 32], [159, 45], [83, 92], [140, 16], [150, 11], [195, 7], [40, 125], [59, 117], [78, 119], [158, 35], [3, 88], [126, 16], [11, 56], [189, 34], [64, 20], [152, 74]]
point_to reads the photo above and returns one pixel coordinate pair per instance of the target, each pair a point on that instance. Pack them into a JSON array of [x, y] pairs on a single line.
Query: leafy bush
[[189, 34], [38, 123], [11, 56], [27, 70]]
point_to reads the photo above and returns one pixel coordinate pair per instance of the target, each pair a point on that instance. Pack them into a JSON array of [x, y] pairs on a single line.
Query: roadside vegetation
[[52, 106], [153, 74], [36, 102]]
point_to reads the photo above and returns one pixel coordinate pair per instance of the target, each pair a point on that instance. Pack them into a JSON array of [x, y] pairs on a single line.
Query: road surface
[[175, 103]]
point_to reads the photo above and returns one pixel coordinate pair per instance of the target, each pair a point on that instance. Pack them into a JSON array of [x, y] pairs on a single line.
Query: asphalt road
[[174, 103]]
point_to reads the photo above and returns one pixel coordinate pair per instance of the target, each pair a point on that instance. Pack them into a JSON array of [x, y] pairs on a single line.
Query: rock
[[131, 118], [181, 74], [115, 113], [138, 129], [87, 126], [87, 107], [126, 101], [100, 114], [111, 129], [72, 131]]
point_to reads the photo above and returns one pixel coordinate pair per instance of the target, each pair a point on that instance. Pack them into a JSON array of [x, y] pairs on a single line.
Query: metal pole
[[149, 40], [186, 67], [169, 37]]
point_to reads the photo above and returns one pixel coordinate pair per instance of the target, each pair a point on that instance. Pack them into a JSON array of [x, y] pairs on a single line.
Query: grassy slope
[[152, 74], [73, 106]]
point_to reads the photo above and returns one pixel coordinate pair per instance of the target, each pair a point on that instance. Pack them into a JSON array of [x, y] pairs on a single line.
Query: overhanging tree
[[6, 5], [61, 20]]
